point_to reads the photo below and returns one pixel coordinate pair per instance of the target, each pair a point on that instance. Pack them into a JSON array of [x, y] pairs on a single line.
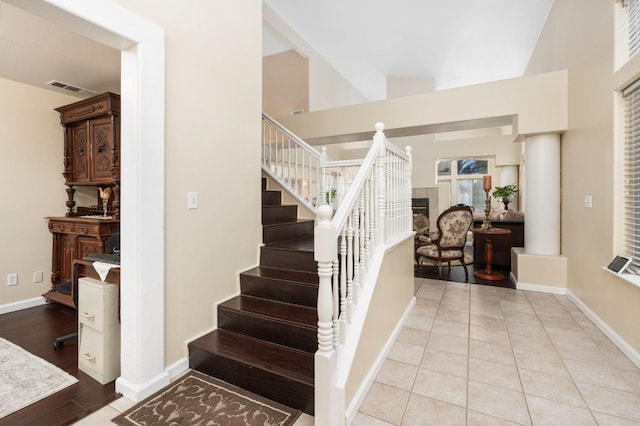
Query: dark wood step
[[263, 181], [279, 214], [283, 285], [271, 198], [291, 254], [281, 374], [302, 228], [285, 324]]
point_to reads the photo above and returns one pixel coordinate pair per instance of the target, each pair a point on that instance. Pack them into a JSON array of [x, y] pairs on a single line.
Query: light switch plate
[[193, 200]]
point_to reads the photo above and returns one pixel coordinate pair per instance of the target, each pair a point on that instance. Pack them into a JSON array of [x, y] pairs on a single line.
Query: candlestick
[[486, 183], [486, 222]]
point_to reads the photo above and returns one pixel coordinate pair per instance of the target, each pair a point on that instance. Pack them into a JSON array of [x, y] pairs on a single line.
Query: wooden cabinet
[[98, 330], [501, 244], [91, 158], [75, 238], [92, 150]]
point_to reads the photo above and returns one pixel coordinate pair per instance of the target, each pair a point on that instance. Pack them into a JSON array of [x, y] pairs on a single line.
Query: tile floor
[[478, 355]]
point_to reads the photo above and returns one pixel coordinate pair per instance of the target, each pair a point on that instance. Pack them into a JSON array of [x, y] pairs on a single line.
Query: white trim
[[362, 391], [622, 344], [178, 368], [143, 175], [632, 279], [138, 392], [541, 288], [22, 304]]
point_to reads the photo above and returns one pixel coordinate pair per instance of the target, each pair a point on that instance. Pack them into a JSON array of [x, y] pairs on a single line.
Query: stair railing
[[291, 162], [374, 214]]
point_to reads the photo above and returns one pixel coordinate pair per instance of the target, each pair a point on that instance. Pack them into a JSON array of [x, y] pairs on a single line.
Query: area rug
[[25, 378], [198, 399]]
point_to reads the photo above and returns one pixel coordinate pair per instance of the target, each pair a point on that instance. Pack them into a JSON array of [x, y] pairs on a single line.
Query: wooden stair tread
[[295, 364], [290, 275], [300, 244], [286, 312]]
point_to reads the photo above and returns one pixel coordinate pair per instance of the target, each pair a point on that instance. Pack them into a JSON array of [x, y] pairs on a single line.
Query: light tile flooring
[[480, 355]]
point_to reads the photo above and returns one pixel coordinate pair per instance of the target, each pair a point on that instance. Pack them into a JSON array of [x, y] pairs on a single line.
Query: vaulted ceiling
[[449, 43]]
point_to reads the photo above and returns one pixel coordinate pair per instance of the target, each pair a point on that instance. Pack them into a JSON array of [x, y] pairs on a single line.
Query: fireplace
[[420, 206]]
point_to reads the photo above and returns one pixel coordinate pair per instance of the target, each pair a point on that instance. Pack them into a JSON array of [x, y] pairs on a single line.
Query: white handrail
[[374, 214], [371, 210], [293, 163]]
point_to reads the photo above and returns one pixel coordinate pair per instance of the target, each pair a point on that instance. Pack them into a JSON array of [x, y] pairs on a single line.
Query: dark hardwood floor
[[456, 274], [35, 329]]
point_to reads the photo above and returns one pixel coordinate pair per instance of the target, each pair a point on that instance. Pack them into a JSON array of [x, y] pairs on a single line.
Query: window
[[465, 178], [632, 175], [633, 22]]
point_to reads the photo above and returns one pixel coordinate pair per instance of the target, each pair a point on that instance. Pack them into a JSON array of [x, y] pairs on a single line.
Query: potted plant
[[330, 196], [506, 193]]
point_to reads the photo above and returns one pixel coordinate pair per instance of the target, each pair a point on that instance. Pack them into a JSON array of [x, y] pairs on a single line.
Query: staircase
[[267, 336]]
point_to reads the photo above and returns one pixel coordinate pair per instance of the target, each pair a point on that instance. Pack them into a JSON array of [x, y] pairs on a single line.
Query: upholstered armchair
[[421, 228], [453, 226]]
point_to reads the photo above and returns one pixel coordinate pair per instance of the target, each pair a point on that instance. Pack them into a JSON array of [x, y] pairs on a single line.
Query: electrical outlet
[[588, 201], [12, 279], [37, 277]]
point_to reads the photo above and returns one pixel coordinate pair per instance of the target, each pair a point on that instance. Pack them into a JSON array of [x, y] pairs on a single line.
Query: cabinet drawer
[[82, 112], [60, 227], [86, 228], [96, 301], [91, 350]]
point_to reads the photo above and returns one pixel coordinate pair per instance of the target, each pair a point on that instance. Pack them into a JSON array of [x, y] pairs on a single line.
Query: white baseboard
[[137, 393], [178, 368], [539, 288], [362, 391], [622, 344], [22, 304]]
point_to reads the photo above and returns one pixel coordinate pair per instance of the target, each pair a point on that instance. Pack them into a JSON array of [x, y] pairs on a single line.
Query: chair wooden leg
[[466, 272], [439, 269]]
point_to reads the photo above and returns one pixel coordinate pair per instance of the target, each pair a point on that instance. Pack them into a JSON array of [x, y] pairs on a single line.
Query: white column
[[542, 194]]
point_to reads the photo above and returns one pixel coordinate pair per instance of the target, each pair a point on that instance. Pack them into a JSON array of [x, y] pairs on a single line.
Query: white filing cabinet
[[98, 330]]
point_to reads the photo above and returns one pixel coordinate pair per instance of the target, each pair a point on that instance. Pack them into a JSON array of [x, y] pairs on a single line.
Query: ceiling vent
[[69, 87]]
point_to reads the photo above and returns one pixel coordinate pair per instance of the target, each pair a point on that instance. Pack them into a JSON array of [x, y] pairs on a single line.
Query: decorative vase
[[506, 202]]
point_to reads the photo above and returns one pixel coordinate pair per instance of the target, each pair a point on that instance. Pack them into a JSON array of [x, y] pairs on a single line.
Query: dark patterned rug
[[198, 399]]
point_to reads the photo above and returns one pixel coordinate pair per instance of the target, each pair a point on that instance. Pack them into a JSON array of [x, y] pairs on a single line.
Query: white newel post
[[328, 406]]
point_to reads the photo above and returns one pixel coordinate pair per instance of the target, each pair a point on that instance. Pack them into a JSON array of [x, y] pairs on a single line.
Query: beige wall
[[31, 185], [539, 101], [588, 149], [285, 83], [392, 296], [213, 106]]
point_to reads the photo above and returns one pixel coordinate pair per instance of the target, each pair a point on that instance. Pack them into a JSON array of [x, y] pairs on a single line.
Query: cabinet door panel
[[67, 256], [79, 153], [88, 246], [101, 149]]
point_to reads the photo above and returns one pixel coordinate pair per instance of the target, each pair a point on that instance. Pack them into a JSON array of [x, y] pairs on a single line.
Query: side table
[[488, 273]]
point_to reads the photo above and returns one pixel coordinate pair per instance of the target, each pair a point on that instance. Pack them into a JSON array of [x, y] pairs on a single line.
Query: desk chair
[[114, 245]]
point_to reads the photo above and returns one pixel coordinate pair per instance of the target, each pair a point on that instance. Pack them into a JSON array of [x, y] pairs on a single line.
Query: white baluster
[[336, 304], [381, 189], [343, 285], [350, 268], [363, 238], [356, 252]]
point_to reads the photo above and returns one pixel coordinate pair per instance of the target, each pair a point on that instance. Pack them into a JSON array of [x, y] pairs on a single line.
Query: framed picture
[[619, 264]]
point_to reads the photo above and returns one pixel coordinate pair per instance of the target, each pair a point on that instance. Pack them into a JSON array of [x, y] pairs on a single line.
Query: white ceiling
[[454, 43]]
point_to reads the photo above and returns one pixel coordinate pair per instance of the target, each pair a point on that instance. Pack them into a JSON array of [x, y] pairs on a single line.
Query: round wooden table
[[488, 273]]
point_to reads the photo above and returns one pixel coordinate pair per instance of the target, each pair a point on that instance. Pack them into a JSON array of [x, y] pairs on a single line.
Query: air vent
[[69, 87]]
